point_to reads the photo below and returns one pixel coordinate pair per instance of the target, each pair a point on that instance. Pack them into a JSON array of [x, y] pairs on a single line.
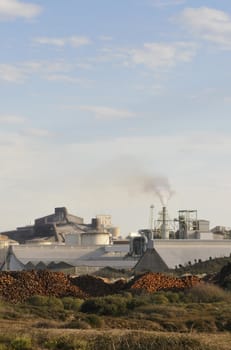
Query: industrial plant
[[62, 241]]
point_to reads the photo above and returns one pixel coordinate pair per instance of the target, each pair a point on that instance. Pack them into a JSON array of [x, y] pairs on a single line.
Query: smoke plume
[[157, 185], [129, 174]]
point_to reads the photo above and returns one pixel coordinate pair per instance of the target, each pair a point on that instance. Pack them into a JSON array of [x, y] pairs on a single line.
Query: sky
[[108, 107]]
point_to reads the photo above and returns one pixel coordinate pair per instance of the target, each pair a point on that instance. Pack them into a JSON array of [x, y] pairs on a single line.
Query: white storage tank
[[115, 231], [73, 239], [95, 238]]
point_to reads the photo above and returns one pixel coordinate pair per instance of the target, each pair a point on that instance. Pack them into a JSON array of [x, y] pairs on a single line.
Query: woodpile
[[18, 286], [96, 286], [153, 282]]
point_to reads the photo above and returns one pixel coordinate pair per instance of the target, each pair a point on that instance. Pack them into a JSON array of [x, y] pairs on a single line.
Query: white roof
[[173, 252]]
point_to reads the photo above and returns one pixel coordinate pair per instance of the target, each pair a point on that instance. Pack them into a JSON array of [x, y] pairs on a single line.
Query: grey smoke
[[156, 185], [129, 175], [133, 176]]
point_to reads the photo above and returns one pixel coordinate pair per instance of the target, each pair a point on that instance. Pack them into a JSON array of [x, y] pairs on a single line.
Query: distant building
[[55, 228]]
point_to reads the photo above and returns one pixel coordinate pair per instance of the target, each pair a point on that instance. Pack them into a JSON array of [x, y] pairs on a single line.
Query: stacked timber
[[96, 286], [153, 282], [19, 286]]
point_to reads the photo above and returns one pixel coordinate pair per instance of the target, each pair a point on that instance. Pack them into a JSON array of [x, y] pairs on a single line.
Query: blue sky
[[100, 98]]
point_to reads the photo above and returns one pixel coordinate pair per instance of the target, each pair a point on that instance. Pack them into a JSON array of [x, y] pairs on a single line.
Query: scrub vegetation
[[161, 320], [193, 318]]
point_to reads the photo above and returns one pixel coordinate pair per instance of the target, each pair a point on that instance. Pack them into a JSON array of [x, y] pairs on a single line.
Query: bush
[[78, 323], [147, 342], [110, 305], [37, 300], [66, 343], [46, 301], [207, 293], [3, 347], [159, 299], [70, 303], [173, 297], [21, 343], [95, 321], [55, 303], [202, 325]]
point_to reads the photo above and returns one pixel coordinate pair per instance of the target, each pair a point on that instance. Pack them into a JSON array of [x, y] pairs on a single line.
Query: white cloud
[[19, 72], [69, 79], [153, 55], [107, 113], [209, 24], [161, 55], [11, 119], [73, 41], [36, 132], [154, 90], [105, 38], [63, 78], [11, 73], [11, 9]]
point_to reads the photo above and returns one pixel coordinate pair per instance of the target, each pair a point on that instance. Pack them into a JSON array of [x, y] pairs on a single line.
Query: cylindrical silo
[[115, 232], [95, 238]]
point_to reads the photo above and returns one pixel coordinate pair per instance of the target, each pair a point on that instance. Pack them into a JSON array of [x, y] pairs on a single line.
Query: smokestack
[[164, 225]]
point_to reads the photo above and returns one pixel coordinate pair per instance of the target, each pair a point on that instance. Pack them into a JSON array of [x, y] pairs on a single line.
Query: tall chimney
[[164, 225]]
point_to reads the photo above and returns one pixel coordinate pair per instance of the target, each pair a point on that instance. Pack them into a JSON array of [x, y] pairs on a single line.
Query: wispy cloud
[[11, 9], [208, 24], [105, 38], [73, 41], [157, 55], [19, 72], [36, 132], [107, 113], [69, 79], [11, 73], [11, 119], [153, 55]]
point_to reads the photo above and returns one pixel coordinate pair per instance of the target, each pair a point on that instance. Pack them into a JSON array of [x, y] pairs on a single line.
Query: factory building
[[64, 241], [88, 259]]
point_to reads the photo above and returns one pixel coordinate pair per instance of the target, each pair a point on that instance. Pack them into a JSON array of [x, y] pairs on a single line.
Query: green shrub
[[95, 321], [207, 293], [38, 300], [3, 347], [66, 343], [137, 301], [202, 325], [110, 305], [55, 303], [21, 343], [78, 323], [50, 301], [173, 297], [146, 342], [160, 299], [70, 303], [47, 324]]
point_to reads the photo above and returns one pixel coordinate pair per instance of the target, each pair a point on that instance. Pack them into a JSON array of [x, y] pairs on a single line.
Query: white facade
[[173, 253], [91, 239], [104, 220], [73, 239]]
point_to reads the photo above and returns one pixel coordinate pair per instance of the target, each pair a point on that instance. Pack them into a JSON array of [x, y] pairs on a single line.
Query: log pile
[[18, 286], [96, 287], [153, 282]]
